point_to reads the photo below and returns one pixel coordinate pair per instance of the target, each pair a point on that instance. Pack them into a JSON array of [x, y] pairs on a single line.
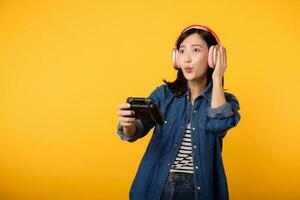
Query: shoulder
[[161, 93]]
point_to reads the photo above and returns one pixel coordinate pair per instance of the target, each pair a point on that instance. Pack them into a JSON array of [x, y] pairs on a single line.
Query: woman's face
[[192, 57]]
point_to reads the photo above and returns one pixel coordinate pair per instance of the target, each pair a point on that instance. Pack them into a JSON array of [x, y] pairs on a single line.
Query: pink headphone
[[212, 52]]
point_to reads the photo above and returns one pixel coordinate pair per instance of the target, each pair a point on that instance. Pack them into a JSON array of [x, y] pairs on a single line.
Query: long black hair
[[178, 87]]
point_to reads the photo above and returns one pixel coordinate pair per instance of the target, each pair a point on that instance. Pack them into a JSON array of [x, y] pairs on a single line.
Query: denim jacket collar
[[206, 93]]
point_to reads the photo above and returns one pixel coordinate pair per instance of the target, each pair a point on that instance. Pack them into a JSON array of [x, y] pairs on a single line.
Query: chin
[[191, 77]]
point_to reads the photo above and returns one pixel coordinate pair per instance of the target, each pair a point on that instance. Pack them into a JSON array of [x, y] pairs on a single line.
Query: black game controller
[[145, 108]]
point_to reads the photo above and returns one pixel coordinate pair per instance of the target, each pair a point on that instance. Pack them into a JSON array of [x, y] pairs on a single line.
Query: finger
[[126, 113], [127, 119], [220, 56], [124, 106], [225, 57], [126, 124]]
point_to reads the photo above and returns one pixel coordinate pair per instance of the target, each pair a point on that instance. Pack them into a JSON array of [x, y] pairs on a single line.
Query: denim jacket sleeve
[[224, 117], [142, 126]]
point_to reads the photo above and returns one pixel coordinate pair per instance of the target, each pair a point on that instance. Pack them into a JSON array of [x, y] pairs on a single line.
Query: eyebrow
[[192, 45]]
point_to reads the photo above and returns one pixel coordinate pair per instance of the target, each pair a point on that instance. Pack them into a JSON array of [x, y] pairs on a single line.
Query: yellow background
[[66, 65]]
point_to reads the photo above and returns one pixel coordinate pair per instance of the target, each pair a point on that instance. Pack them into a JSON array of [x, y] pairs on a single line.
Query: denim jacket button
[[198, 188]]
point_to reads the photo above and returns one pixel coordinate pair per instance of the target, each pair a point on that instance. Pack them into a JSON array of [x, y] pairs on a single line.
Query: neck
[[196, 88]]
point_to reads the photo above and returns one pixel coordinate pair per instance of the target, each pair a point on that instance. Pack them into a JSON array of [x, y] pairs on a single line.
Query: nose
[[187, 58]]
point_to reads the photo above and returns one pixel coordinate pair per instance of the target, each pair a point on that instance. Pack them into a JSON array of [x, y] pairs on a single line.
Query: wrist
[[129, 130], [217, 81]]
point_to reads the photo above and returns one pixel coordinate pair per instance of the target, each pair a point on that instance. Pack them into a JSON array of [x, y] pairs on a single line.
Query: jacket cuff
[[222, 111], [139, 129]]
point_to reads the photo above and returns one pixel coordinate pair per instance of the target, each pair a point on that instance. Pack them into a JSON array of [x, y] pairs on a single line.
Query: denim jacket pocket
[[202, 123], [165, 128], [169, 123]]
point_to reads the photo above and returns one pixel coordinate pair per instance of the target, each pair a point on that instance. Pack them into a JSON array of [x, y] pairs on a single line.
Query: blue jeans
[[179, 186]]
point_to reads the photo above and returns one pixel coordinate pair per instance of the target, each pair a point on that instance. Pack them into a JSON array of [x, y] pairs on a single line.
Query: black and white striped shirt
[[184, 158]]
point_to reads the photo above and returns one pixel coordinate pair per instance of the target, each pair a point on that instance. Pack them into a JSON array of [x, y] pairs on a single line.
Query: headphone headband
[[205, 28]]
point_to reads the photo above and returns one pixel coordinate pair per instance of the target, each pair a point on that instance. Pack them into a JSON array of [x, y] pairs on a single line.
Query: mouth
[[188, 69]]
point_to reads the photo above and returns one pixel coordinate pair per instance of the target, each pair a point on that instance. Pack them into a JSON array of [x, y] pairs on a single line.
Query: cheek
[[179, 59], [202, 59]]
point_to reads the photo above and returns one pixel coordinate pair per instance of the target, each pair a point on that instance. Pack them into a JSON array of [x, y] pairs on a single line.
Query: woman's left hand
[[221, 64]]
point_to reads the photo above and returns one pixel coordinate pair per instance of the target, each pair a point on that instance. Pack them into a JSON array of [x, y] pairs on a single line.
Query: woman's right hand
[[126, 119]]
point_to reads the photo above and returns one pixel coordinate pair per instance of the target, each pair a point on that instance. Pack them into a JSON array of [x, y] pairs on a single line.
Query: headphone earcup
[[212, 56], [175, 58]]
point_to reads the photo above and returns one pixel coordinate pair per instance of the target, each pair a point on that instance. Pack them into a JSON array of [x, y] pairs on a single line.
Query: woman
[[183, 159]]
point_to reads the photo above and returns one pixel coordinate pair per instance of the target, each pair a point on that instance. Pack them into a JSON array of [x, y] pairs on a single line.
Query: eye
[[197, 50], [181, 51]]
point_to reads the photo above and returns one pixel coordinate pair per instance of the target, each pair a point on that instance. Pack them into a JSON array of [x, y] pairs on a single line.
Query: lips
[[188, 69]]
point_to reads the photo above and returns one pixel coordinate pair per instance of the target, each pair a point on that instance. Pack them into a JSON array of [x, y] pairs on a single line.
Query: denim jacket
[[208, 128]]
